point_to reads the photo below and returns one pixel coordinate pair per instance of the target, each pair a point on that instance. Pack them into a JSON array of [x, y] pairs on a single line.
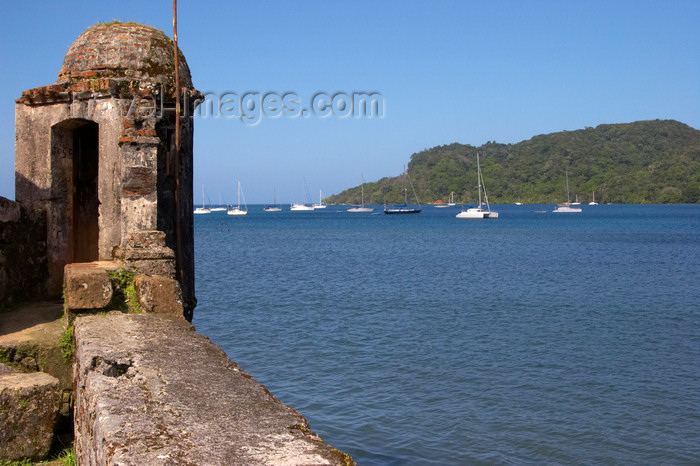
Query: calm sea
[[426, 339]]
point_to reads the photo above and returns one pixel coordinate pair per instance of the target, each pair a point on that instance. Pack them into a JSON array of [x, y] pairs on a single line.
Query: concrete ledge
[[150, 390]]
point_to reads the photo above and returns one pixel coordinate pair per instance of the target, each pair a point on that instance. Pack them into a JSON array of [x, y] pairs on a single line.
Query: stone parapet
[[150, 390], [104, 286]]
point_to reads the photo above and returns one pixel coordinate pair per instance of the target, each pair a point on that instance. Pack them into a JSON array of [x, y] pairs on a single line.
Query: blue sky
[[448, 71]]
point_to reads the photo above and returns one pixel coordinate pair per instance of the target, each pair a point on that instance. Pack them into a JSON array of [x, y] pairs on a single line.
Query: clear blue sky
[[449, 71]]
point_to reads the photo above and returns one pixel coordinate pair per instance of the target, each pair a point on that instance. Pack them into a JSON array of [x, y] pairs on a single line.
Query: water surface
[[532, 338]]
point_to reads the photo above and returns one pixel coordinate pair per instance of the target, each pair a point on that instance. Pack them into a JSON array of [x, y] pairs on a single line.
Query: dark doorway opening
[[85, 199]]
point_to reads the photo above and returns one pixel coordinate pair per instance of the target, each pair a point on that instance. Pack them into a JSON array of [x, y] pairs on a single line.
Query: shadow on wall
[[23, 255]]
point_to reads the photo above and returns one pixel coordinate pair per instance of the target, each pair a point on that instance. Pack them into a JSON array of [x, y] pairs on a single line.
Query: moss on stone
[[4, 358], [124, 297], [67, 344], [116, 22]]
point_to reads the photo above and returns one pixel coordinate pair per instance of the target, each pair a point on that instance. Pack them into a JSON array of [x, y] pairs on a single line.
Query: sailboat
[[221, 207], [237, 210], [202, 210], [404, 208], [273, 207], [361, 207], [452, 200], [566, 206], [478, 211], [304, 205], [593, 202], [320, 204]]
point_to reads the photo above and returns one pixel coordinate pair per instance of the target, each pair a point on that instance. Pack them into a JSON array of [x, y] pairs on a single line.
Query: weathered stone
[[31, 333], [87, 286], [5, 369], [29, 363], [23, 265], [128, 50], [29, 406], [150, 390], [95, 152], [9, 210], [159, 294], [145, 252], [139, 181], [150, 239]]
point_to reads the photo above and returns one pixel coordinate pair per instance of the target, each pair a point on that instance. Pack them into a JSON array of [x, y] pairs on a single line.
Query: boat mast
[[405, 190], [307, 197], [362, 190], [567, 186], [478, 177]]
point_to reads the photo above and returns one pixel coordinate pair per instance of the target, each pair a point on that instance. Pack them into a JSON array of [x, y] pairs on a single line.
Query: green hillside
[[642, 162]]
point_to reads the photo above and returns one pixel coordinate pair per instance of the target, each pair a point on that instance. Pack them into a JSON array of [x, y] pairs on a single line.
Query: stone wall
[[23, 263], [150, 390]]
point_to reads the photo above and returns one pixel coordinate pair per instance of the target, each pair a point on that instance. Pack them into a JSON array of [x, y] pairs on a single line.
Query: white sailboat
[[274, 207], [479, 211], [593, 202], [221, 207], [304, 205], [237, 210], [321, 204], [565, 207], [452, 200], [202, 210], [361, 207]]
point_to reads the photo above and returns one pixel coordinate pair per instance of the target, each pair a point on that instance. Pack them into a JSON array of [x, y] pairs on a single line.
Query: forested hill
[[642, 162]]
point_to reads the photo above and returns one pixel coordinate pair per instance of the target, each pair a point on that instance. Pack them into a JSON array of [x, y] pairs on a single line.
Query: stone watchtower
[[96, 152]]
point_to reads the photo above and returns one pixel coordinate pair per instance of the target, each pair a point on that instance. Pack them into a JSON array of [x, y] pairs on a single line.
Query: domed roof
[[124, 51]]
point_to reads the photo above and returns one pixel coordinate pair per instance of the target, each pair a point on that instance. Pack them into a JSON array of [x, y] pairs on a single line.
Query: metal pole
[[178, 201], [177, 79]]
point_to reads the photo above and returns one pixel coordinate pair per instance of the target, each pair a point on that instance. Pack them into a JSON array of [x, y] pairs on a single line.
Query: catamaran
[[479, 211], [565, 207], [237, 210]]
